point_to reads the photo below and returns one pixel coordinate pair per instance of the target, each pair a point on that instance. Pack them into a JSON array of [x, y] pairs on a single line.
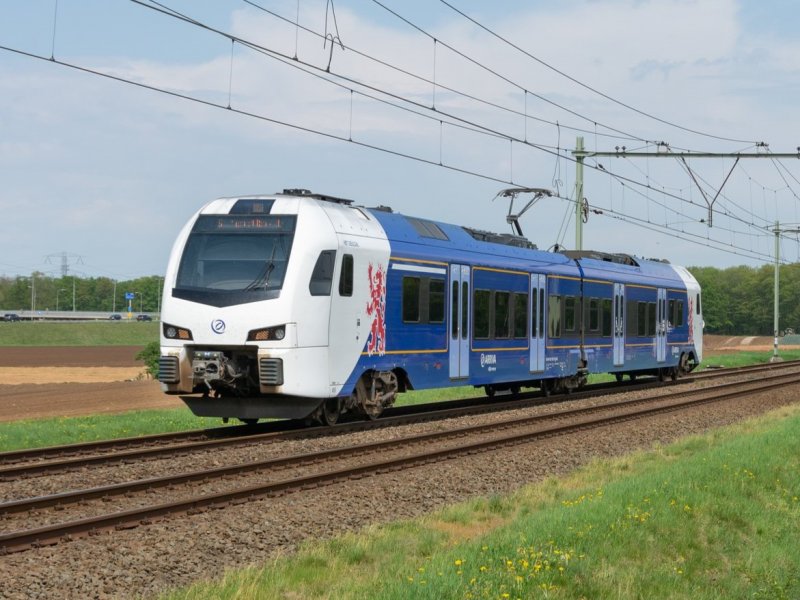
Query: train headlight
[[173, 332], [267, 334]]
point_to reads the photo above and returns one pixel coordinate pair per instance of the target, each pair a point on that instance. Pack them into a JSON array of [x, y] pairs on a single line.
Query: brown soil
[[69, 356], [38, 382], [721, 344]]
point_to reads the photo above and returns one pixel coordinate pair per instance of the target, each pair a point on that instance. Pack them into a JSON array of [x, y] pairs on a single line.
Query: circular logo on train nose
[[218, 326]]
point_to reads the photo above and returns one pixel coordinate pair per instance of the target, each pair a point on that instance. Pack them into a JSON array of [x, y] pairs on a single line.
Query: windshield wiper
[[264, 275]]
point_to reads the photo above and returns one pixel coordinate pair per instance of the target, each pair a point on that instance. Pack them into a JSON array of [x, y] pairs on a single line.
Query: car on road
[[144, 318], [11, 317], [115, 317]]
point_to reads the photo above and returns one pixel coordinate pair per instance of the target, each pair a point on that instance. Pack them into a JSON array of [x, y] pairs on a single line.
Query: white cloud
[[113, 162]]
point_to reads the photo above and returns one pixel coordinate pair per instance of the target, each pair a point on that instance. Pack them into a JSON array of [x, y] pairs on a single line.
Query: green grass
[[37, 433], [90, 333], [716, 516], [15, 435], [738, 359]]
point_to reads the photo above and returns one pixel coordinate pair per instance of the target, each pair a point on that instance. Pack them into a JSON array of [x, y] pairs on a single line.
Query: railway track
[[213, 488], [56, 459]]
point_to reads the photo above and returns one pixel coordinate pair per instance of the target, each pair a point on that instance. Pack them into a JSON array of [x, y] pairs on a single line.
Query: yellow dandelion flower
[[483, 568], [459, 562]]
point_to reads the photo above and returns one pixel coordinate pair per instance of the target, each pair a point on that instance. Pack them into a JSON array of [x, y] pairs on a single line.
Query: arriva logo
[[218, 326], [488, 359]]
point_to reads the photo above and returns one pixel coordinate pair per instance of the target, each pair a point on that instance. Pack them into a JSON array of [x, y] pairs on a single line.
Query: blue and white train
[[300, 305]]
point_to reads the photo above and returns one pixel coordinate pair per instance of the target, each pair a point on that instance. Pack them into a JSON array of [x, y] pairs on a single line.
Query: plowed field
[[38, 382]]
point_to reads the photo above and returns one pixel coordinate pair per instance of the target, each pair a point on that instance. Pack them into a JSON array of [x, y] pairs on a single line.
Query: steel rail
[[155, 446], [52, 534], [304, 459]]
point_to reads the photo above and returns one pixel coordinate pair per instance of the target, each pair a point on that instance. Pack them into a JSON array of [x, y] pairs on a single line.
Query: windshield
[[235, 259]]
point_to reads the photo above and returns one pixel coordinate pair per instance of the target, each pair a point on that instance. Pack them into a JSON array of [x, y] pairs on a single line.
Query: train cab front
[[229, 331]]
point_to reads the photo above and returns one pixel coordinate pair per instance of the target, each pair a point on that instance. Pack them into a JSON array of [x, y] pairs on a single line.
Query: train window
[[570, 314], [541, 313], [481, 318], [436, 301], [534, 312], [594, 314], [322, 275], [454, 311], [464, 310], [520, 315], [346, 276], [632, 326], [607, 321], [678, 318], [410, 299], [554, 316], [671, 312], [502, 310], [698, 304], [641, 323]]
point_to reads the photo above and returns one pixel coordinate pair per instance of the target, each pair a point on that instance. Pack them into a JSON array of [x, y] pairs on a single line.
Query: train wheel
[[683, 365], [618, 376], [489, 390], [515, 389], [331, 410], [369, 406]]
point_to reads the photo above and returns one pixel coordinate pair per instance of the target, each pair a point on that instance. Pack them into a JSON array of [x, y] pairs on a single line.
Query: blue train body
[[297, 305]]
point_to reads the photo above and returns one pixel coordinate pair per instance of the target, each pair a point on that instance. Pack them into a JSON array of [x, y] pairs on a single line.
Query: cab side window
[[346, 276], [322, 276]]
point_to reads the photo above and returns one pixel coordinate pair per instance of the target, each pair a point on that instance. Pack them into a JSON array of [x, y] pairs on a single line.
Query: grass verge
[[714, 516], [93, 333], [16, 435], [739, 359], [37, 433]]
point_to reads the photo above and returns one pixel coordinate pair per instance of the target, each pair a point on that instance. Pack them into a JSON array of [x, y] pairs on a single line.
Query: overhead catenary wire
[[311, 130], [446, 88], [327, 134], [162, 8], [585, 85], [503, 77]]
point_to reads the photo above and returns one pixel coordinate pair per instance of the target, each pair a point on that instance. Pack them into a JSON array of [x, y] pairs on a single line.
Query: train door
[[538, 296], [459, 321], [661, 326], [619, 325]]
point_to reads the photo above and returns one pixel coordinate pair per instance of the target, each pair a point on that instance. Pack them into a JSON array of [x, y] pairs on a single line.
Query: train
[[300, 305]]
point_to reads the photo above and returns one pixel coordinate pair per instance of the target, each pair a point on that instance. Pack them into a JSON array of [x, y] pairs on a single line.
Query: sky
[[419, 109]]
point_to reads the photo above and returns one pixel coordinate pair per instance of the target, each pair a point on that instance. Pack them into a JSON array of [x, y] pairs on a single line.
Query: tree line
[[44, 293], [736, 300], [739, 300]]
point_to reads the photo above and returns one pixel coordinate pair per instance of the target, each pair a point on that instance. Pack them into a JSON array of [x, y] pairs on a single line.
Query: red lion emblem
[[376, 308]]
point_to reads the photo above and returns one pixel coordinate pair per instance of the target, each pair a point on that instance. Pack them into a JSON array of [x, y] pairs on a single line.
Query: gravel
[[151, 559]]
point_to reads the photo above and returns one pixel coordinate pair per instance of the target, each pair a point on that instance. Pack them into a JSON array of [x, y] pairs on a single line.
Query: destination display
[[244, 224]]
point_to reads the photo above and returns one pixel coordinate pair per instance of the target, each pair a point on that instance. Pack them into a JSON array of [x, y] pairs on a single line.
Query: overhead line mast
[[664, 151]]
